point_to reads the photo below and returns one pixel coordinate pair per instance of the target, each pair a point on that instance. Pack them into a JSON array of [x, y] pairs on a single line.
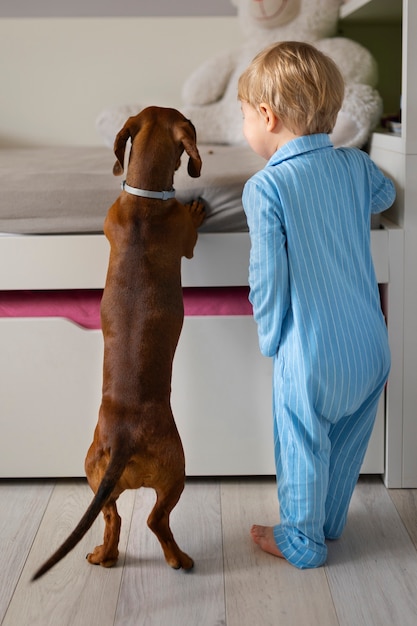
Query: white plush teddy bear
[[210, 93]]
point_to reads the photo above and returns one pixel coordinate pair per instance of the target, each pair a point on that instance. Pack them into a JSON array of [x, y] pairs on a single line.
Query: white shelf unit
[[397, 156]]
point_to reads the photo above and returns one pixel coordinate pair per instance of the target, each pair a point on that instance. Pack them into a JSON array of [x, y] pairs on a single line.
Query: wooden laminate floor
[[370, 577]]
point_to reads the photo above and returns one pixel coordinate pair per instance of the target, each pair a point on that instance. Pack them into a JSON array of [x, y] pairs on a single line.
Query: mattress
[[58, 190]]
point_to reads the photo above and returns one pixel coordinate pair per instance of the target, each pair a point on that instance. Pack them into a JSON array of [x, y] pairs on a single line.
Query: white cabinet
[[51, 368]]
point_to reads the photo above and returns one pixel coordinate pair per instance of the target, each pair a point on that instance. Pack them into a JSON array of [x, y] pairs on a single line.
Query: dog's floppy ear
[[119, 149], [129, 131], [188, 139]]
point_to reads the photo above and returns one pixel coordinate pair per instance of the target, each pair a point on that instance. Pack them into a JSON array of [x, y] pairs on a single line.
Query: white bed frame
[[50, 368]]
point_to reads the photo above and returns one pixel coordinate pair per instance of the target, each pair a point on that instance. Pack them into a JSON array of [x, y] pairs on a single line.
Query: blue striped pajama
[[316, 303]]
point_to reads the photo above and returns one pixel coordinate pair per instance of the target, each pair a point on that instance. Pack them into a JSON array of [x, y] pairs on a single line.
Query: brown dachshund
[[136, 442]]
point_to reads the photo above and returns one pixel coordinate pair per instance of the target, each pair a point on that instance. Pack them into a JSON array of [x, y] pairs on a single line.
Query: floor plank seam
[[38, 529], [123, 565], [29, 550], [219, 486], [326, 572]]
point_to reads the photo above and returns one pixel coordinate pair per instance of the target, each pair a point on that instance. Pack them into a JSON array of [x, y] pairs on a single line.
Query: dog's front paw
[[197, 211]]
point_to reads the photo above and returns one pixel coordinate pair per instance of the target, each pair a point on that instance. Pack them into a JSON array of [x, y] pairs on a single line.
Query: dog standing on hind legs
[[136, 442]]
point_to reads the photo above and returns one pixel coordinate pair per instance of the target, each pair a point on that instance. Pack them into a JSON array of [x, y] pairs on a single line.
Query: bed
[[53, 259]]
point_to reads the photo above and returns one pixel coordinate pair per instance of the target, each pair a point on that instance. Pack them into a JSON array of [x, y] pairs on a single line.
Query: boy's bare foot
[[263, 536]]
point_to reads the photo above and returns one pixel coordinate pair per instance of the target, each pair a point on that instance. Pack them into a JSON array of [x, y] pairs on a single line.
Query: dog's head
[[181, 130]]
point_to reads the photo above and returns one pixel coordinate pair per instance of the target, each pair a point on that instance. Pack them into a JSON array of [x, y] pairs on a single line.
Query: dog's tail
[[114, 470]]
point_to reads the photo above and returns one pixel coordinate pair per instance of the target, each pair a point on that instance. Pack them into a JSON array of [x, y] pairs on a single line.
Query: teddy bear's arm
[[354, 61], [208, 82]]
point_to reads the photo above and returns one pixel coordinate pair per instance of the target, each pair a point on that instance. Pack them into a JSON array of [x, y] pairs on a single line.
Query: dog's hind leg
[[108, 553], [158, 522]]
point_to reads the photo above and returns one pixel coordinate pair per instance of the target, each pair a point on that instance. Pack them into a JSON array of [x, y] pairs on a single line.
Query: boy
[[314, 292]]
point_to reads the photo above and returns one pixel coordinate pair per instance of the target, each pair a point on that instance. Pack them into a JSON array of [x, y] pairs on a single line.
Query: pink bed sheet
[[82, 306]]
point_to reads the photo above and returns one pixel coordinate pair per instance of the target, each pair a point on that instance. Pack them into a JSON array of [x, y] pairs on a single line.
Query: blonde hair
[[302, 86]]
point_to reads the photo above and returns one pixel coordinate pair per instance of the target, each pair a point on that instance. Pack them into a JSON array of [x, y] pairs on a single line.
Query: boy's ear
[[269, 116]]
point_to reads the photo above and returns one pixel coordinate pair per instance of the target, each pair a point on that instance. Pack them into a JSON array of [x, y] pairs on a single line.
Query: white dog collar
[[144, 193]]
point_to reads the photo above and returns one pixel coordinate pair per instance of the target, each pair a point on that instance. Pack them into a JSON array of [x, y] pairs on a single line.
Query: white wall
[[57, 74]]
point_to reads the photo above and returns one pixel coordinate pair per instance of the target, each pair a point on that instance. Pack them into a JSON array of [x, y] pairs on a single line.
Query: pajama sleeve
[[268, 266], [382, 188]]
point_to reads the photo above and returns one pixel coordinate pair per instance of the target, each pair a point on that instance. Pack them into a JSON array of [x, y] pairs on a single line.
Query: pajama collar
[[300, 145]]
